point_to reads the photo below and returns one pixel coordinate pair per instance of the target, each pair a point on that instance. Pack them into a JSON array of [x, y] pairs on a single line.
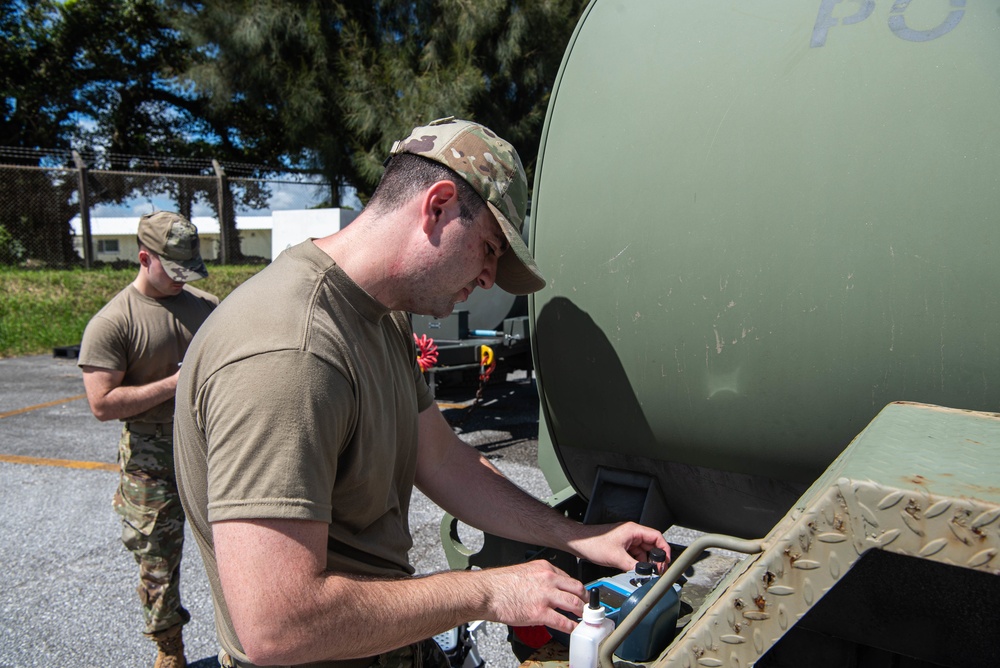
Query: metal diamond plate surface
[[920, 480]]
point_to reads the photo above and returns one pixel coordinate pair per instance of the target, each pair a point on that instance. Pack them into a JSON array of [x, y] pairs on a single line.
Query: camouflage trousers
[[425, 654], [152, 521]]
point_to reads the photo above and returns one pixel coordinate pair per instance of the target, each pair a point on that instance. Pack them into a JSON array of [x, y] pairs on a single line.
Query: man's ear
[[439, 204], [144, 258]]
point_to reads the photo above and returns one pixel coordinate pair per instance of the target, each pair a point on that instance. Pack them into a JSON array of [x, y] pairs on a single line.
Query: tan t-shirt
[[146, 338], [299, 400]]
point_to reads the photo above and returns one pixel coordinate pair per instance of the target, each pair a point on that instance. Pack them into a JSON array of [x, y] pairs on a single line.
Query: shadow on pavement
[[208, 662]]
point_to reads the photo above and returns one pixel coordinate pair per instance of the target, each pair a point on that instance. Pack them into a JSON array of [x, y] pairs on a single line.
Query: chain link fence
[[57, 210]]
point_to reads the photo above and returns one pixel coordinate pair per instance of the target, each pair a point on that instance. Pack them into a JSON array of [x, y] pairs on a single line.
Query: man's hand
[[532, 594], [617, 545]]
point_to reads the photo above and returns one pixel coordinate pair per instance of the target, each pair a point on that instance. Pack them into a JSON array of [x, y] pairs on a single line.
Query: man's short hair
[[408, 175]]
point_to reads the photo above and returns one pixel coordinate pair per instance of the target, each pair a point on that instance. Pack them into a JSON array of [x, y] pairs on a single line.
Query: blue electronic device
[[615, 590], [619, 594], [656, 630]]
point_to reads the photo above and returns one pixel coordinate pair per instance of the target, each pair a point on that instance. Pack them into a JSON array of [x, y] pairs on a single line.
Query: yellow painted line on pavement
[[45, 405], [73, 464], [43, 461], [64, 463]]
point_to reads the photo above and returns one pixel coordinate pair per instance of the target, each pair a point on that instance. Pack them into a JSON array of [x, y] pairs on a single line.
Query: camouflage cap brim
[[517, 272], [192, 270]]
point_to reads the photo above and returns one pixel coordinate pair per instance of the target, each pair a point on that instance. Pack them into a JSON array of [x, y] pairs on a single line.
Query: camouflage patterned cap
[[174, 239], [491, 166]]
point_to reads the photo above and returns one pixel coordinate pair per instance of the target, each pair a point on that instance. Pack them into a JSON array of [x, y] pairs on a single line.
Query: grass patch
[[43, 309]]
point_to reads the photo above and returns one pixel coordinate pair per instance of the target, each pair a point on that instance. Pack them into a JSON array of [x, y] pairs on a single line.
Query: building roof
[[114, 226]]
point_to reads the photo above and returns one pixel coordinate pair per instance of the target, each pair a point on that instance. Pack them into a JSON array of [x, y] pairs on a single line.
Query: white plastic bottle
[[589, 633]]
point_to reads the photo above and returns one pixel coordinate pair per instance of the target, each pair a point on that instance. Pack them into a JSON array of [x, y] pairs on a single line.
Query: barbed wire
[[63, 159]]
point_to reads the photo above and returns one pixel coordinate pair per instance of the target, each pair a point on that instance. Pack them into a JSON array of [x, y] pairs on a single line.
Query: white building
[[114, 238]]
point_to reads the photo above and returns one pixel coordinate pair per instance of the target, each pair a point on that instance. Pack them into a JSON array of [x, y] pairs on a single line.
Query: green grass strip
[[44, 309]]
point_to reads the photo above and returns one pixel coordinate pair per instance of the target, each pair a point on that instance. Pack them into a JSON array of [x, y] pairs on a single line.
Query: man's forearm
[[325, 622], [126, 401], [488, 500], [460, 480], [287, 610]]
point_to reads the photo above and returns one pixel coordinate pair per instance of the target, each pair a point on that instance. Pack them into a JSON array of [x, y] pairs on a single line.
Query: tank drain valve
[[493, 333]]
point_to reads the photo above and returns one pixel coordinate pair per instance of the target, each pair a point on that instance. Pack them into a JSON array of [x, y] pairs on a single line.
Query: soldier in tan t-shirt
[[130, 355], [303, 423]]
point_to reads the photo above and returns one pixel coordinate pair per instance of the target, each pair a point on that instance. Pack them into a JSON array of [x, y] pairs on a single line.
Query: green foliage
[[339, 81], [273, 61], [11, 250], [34, 80], [40, 310], [324, 84], [106, 79], [490, 61]]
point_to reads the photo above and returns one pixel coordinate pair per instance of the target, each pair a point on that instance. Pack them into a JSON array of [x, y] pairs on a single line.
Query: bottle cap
[[644, 568], [657, 556], [594, 613]]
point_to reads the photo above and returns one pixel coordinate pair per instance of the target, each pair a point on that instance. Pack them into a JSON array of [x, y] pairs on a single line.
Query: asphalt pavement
[[67, 585]]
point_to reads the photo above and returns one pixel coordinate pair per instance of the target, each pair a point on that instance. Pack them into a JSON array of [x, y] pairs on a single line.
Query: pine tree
[[340, 81]]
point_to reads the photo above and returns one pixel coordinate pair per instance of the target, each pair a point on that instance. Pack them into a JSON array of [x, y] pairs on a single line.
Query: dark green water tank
[[760, 223]]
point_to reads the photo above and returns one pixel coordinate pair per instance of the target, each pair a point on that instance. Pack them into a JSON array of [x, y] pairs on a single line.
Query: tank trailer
[[770, 234]]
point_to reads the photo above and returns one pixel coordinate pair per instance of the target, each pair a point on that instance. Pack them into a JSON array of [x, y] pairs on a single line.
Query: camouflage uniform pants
[[425, 654], [152, 521]]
